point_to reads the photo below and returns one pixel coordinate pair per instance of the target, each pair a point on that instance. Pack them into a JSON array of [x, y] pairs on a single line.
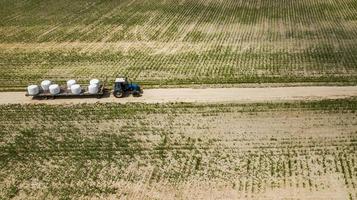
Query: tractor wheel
[[118, 94], [136, 94]]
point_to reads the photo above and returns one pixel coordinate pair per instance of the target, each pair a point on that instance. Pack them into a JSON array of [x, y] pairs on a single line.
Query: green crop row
[[160, 42], [322, 63], [69, 21]]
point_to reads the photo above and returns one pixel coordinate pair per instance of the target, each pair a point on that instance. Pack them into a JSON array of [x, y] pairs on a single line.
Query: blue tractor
[[123, 87]]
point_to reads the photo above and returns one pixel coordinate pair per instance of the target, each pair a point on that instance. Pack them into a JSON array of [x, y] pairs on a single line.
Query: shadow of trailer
[[66, 93]]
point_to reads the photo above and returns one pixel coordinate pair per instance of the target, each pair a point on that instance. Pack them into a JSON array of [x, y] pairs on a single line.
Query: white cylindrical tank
[[94, 81], [45, 85], [93, 89], [54, 89], [33, 90], [70, 83], [76, 89]]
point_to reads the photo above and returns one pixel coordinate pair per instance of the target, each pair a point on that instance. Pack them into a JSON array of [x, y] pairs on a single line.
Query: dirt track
[[210, 95]]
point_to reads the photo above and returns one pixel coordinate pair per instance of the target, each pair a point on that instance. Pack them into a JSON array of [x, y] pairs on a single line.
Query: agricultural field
[[206, 148], [179, 42], [181, 150]]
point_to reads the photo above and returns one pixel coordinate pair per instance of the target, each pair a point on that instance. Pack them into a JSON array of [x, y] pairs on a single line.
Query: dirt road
[[209, 95]]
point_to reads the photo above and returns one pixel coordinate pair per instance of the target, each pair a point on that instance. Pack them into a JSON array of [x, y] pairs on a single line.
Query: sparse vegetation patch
[[178, 150]]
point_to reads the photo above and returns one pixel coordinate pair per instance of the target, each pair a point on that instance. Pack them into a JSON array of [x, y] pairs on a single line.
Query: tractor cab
[[124, 87]]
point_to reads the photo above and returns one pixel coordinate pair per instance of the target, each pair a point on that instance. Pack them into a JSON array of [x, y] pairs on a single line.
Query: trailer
[[64, 92]]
